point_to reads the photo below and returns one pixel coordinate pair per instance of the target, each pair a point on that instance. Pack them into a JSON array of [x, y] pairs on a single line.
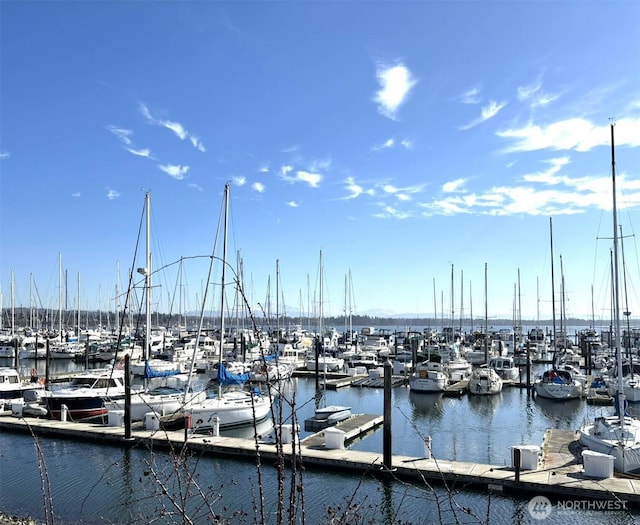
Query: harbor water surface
[[80, 482]]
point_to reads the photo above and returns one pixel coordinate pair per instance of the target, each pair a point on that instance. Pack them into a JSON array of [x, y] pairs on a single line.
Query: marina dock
[[558, 473]]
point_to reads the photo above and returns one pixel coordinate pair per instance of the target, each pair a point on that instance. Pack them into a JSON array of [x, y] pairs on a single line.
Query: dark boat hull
[[77, 407]]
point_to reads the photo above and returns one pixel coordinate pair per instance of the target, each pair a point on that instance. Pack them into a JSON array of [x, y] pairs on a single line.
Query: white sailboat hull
[[231, 409], [605, 435], [162, 404], [558, 391]]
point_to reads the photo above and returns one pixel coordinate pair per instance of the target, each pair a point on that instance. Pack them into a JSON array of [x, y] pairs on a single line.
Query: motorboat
[[505, 367], [85, 395], [366, 359], [333, 413], [429, 376], [325, 363], [12, 386]]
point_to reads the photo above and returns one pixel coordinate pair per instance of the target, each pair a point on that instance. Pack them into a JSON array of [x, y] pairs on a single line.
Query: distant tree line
[[24, 317]]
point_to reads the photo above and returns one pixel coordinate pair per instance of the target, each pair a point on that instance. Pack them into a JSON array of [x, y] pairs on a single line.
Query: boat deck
[[558, 474]]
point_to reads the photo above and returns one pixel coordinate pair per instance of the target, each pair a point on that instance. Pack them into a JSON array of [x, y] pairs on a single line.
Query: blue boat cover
[[227, 378], [150, 372]]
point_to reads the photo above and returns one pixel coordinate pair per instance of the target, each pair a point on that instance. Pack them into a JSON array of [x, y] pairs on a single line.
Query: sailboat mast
[[224, 269], [616, 280], [60, 295], [553, 292], [147, 280]]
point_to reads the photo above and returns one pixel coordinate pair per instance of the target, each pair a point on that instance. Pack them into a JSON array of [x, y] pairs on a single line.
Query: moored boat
[[485, 381], [85, 395], [12, 386], [558, 384], [428, 377]]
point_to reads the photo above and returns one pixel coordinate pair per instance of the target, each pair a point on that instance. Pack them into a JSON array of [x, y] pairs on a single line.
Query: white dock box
[[288, 435], [17, 405], [152, 421], [334, 438], [598, 465], [528, 456], [115, 418]]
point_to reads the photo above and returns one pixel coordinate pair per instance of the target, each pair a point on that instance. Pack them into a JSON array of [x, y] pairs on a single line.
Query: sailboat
[[484, 381], [164, 399], [332, 413], [557, 383], [617, 435], [230, 407]]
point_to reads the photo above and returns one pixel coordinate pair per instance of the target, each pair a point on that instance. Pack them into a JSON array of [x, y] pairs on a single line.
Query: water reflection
[[426, 406], [561, 414], [485, 406]]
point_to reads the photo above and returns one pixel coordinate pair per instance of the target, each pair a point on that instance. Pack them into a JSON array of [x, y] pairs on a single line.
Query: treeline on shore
[[25, 317]]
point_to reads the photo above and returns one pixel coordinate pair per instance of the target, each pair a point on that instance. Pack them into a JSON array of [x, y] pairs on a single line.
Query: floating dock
[[457, 389], [557, 471]]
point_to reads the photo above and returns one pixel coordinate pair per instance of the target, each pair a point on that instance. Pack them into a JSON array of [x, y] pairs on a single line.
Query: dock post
[[216, 426], [528, 369], [517, 462], [127, 396], [387, 457], [427, 447]]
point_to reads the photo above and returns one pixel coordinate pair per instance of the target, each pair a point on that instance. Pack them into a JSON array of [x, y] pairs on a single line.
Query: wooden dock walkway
[[558, 474], [378, 382], [457, 389], [353, 428]]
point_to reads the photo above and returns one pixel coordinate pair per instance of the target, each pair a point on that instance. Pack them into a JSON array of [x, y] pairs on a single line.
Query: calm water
[[84, 483]]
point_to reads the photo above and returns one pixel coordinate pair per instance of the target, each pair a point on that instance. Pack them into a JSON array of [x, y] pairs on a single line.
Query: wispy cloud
[[406, 143], [401, 194], [454, 186], [293, 204], [389, 212], [315, 165], [534, 95], [124, 135], [180, 131], [312, 179], [488, 112], [239, 180], [140, 152], [396, 82], [548, 176], [76, 194], [392, 142], [385, 145], [288, 174], [174, 170], [112, 194], [577, 134], [354, 189], [194, 186], [4, 155], [471, 96], [259, 187]]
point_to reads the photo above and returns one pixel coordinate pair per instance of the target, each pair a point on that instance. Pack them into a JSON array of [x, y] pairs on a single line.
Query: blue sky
[[405, 140]]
